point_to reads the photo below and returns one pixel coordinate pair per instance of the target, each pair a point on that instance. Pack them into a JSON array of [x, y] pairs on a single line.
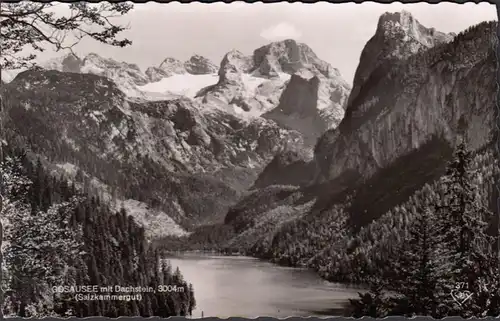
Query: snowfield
[[185, 84]]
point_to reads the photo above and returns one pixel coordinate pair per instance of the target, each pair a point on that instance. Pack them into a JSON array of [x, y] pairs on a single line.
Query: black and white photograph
[[249, 159]]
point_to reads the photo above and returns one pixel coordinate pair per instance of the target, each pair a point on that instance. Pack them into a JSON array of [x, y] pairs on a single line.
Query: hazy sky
[[335, 32]]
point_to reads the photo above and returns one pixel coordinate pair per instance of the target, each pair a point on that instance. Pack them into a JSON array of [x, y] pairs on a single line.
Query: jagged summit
[[172, 64], [196, 65], [403, 24], [199, 65], [404, 104], [289, 56], [398, 36]]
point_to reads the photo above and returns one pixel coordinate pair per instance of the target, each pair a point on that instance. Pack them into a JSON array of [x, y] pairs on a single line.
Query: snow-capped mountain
[[245, 86], [255, 85]]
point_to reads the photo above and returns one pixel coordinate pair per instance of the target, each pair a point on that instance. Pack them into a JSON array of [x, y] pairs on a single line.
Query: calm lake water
[[246, 287]]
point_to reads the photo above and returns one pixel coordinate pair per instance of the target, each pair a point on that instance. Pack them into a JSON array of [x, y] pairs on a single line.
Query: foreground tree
[[37, 24], [466, 250], [30, 25]]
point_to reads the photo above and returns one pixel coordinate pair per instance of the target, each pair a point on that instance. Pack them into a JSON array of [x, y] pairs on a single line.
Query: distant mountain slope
[[166, 154]]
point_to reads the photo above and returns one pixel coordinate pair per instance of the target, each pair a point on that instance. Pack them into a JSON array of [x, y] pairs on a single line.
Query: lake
[[247, 287]]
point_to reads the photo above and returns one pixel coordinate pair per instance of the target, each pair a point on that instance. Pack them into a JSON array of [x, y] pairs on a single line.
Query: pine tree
[[466, 249], [192, 300], [373, 304], [416, 269]]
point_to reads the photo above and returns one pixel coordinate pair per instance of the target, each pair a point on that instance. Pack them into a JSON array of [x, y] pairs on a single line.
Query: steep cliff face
[[231, 83], [445, 91], [288, 56], [298, 108], [277, 172]]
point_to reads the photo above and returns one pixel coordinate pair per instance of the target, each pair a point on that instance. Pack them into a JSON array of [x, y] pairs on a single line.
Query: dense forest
[[56, 235], [448, 263]]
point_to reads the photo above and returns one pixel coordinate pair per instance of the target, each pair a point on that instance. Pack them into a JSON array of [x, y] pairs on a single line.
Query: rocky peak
[[199, 65], [233, 65], [398, 36], [284, 81], [125, 74], [168, 67], [404, 25], [66, 63], [287, 56], [436, 95], [173, 65], [235, 61]]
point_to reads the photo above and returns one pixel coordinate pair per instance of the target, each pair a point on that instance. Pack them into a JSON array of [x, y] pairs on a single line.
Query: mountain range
[[261, 139], [96, 123]]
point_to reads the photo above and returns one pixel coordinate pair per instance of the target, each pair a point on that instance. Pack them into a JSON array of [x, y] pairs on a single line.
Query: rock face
[[196, 65], [277, 172], [199, 65], [398, 36], [168, 67], [288, 56], [254, 84], [168, 152], [444, 91], [298, 108]]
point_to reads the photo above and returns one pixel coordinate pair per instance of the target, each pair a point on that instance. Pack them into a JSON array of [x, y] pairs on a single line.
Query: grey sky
[[336, 32]]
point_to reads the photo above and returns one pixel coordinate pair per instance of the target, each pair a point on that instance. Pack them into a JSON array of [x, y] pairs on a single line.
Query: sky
[[337, 33]]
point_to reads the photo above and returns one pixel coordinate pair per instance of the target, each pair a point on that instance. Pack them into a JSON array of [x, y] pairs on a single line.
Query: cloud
[[281, 31]]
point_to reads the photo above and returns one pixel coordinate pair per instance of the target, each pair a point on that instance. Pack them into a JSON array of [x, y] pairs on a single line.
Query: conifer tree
[[466, 251], [417, 270], [192, 300], [373, 304]]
